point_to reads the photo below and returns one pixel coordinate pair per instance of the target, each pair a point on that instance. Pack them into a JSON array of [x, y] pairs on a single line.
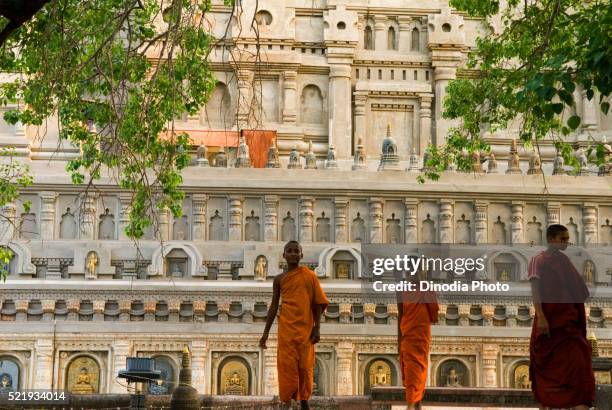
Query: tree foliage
[[116, 73], [13, 176], [530, 69]]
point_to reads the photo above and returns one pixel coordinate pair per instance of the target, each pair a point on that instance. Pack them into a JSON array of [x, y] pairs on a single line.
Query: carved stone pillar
[[424, 122], [244, 96], [517, 222], [553, 213], [344, 350], [589, 220], [442, 314], [306, 219], [489, 365], [442, 76], [464, 312], [589, 112], [235, 219], [446, 221], [98, 308], [376, 220], [125, 305], [380, 33], [410, 221], [7, 222], [173, 310], [607, 315], [339, 103], [120, 352], [345, 312], [199, 353], [44, 364], [405, 31], [88, 226], [480, 224], [369, 309], [511, 312], [48, 307], [360, 98], [47, 215], [487, 315], [289, 97], [270, 372], [340, 225], [271, 218], [164, 224], [198, 206], [125, 201], [21, 307]]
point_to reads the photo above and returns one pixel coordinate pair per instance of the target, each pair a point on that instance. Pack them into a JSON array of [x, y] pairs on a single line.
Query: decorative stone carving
[[235, 219], [582, 161], [340, 223], [360, 157], [428, 231], [288, 228], [514, 162], [294, 159], [221, 158], [273, 159], [194, 264], [331, 162], [393, 230], [535, 165], [91, 265], [47, 215], [252, 228], [480, 219], [414, 161], [376, 217], [243, 160], [83, 376], [605, 169], [559, 165], [323, 228], [492, 164], [271, 218], [68, 225], [198, 209], [446, 221], [410, 221], [476, 164], [311, 158], [389, 160], [499, 232], [358, 231], [217, 227], [261, 268], [106, 227], [589, 223], [306, 204], [517, 222], [202, 156]]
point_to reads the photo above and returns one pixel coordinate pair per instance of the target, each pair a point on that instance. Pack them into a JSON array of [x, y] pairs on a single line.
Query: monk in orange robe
[[417, 310], [303, 302], [560, 365]]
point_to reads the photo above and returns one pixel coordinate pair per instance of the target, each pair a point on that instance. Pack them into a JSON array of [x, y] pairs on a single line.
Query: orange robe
[[420, 309], [300, 292]]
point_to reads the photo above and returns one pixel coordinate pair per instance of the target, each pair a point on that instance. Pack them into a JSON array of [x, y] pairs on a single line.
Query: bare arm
[[537, 303], [315, 336], [271, 312]]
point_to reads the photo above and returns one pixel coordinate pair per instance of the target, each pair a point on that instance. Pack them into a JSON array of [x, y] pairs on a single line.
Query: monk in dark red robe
[[560, 356], [303, 302], [417, 310]]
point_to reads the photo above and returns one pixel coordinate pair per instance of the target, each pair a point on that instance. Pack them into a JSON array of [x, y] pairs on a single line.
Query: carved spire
[[311, 158], [492, 164], [221, 158], [294, 159], [514, 162], [244, 159], [389, 160], [414, 161], [535, 165], [331, 162], [359, 158], [273, 160], [202, 156]]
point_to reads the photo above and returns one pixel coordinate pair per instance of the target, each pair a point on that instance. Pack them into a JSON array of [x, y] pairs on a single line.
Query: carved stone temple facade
[[333, 76]]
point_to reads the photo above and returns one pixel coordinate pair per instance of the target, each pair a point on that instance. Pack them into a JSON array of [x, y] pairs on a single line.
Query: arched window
[[368, 38], [414, 44], [391, 39], [218, 110]]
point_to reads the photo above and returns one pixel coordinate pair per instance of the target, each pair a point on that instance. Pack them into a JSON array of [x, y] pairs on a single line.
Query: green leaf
[[573, 122]]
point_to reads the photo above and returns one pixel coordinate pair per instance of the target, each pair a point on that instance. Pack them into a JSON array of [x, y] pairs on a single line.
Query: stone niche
[[377, 371], [517, 374], [255, 256], [340, 262], [13, 371], [399, 114], [83, 372], [234, 373], [323, 374], [91, 261], [180, 259], [453, 372], [168, 363]]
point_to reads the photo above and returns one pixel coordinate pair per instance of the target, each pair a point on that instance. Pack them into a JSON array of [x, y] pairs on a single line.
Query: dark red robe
[[560, 365]]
